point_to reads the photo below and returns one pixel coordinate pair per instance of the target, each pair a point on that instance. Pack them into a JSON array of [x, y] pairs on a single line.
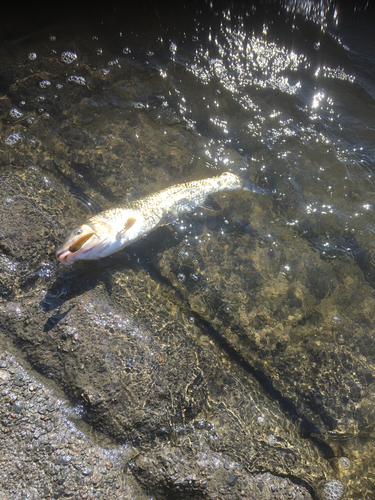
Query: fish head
[[86, 242]]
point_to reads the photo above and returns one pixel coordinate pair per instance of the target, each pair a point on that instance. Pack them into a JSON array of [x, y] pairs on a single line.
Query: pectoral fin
[[211, 203], [167, 218], [128, 224]]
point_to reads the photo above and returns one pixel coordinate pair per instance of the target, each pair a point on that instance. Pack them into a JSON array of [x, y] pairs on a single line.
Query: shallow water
[[282, 283]]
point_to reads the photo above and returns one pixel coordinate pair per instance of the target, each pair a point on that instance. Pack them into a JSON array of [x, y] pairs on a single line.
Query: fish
[[112, 230]]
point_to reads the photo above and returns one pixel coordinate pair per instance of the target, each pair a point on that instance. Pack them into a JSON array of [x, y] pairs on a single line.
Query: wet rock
[[206, 477], [280, 314], [139, 374], [142, 397], [23, 464]]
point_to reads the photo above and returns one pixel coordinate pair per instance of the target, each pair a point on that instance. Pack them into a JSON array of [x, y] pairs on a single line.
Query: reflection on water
[[283, 281]]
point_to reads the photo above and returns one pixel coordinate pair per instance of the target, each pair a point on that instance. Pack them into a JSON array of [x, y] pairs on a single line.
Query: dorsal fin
[[211, 203]]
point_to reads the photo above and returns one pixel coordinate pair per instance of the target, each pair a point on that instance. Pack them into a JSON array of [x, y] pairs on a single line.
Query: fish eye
[[77, 231]]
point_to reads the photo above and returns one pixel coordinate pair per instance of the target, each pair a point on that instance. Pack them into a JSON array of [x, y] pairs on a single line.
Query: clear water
[[95, 116]]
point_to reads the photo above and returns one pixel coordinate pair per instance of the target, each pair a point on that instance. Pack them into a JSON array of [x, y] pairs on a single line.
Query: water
[[99, 114]]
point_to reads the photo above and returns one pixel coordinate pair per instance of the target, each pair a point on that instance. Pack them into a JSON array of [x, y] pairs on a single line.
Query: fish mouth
[[67, 255], [63, 256]]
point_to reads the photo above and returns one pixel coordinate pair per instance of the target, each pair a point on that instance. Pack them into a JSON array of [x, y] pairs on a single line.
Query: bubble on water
[[31, 119], [271, 439], [44, 84], [191, 319], [344, 462], [22, 103], [181, 277], [80, 80], [8, 201], [32, 56], [184, 254], [12, 139], [99, 51], [126, 51], [115, 62], [68, 57], [14, 113], [59, 86], [333, 490], [52, 38], [261, 420]]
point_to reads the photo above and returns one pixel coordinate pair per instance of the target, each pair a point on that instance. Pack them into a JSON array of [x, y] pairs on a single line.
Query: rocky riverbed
[[46, 453]]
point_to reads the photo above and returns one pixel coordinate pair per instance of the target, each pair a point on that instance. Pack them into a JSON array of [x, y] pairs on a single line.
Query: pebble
[[18, 407], [232, 479], [64, 460]]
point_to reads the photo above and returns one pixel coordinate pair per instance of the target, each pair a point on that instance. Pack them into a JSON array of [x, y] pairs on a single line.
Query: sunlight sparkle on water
[[317, 98], [246, 61]]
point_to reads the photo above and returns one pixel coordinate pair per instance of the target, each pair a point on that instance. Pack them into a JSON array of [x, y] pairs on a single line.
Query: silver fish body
[[111, 230]]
